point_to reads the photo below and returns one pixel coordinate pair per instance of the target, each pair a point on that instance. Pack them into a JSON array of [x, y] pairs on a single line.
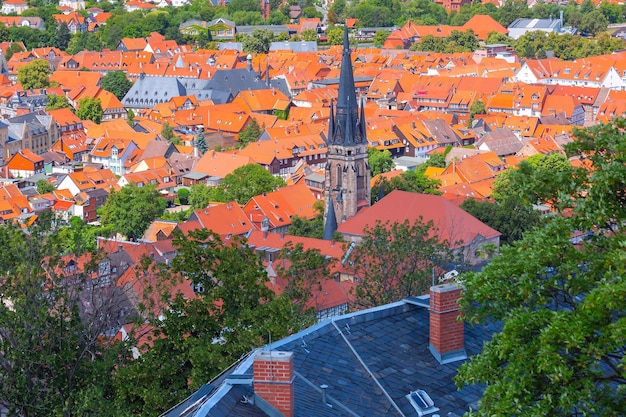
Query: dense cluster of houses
[[409, 103]]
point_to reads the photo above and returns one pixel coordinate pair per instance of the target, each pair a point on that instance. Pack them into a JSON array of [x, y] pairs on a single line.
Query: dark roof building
[[148, 91], [393, 360]]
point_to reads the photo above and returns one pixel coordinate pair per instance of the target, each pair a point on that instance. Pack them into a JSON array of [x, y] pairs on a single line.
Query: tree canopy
[[301, 226], [58, 102], [258, 41], [395, 261], [379, 161], [131, 209], [55, 361], [412, 181], [201, 144], [512, 217], [116, 82], [250, 133], [90, 108], [35, 74], [559, 294], [247, 181], [233, 312]]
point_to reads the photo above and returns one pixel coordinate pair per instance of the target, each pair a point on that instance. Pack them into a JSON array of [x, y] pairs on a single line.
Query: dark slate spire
[[362, 125], [346, 131], [331, 221], [331, 123], [381, 191]]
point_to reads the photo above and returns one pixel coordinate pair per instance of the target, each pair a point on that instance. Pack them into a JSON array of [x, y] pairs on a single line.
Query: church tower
[[347, 185]]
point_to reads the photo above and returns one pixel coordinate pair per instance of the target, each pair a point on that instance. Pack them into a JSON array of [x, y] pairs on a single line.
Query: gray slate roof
[[501, 141], [370, 361], [302, 46], [148, 91], [37, 124]]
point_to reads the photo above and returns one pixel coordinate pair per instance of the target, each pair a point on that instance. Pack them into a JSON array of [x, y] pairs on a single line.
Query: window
[[422, 402]]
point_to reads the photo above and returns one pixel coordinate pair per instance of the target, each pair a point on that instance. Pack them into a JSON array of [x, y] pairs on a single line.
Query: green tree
[[512, 218], [79, 238], [373, 13], [379, 161], [250, 133], [183, 195], [338, 8], [423, 12], [587, 6], [13, 48], [593, 23], [168, 133], [412, 181], [560, 350], [201, 143], [511, 10], [44, 187], [477, 107], [243, 6], [131, 209], [380, 37], [116, 82], [435, 160], [82, 41], [430, 43], [54, 362], [311, 12], [248, 18], [90, 109], [200, 195], [395, 261], [495, 37], [461, 41], [233, 312], [58, 102], [258, 41], [63, 36], [301, 226], [304, 270], [247, 181], [309, 35], [35, 74], [612, 12], [539, 179], [335, 35]]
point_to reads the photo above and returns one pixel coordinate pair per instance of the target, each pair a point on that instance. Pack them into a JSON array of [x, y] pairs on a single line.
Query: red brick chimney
[[447, 342], [273, 380]]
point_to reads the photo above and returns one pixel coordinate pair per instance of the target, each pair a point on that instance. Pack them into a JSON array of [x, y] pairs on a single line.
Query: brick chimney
[[274, 380], [446, 328]]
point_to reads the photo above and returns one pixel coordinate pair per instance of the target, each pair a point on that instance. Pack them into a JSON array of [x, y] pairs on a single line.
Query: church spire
[[330, 225], [346, 131]]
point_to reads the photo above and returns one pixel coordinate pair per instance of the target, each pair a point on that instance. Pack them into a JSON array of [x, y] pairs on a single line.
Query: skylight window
[[422, 402]]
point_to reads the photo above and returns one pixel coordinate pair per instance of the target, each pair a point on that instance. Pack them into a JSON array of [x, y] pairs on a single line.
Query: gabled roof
[[369, 361], [220, 164], [24, 159], [399, 206], [281, 205], [226, 219], [482, 25]]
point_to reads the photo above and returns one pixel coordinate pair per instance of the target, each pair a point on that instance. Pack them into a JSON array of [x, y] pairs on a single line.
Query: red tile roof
[[453, 223]]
